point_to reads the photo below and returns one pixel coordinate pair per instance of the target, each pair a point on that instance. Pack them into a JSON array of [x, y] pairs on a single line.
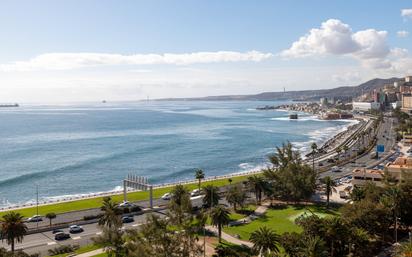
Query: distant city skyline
[[66, 51]]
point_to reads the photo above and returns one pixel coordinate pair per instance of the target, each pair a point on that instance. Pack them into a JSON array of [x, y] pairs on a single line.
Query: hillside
[[340, 92]]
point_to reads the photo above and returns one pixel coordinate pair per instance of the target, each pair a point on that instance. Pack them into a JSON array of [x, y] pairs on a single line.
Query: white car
[[35, 218], [75, 229], [335, 169], [196, 192], [126, 204], [167, 196]]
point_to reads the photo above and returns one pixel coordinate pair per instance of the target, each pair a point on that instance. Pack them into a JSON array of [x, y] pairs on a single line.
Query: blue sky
[[46, 46]]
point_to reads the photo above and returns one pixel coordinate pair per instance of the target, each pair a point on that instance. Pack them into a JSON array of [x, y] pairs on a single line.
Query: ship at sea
[[9, 105]]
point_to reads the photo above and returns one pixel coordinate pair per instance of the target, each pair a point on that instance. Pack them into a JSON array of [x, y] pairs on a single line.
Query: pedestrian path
[[91, 253]]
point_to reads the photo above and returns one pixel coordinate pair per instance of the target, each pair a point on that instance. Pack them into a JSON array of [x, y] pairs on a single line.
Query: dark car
[[55, 231], [61, 236], [127, 219]]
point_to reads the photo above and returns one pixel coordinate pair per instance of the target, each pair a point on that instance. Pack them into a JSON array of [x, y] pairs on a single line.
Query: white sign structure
[[139, 183]]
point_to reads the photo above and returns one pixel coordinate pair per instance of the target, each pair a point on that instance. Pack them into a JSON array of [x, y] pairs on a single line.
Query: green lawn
[[281, 220], [97, 202], [83, 249]]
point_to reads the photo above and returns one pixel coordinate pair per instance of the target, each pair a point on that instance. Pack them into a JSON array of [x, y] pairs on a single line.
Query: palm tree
[[211, 197], [330, 185], [51, 216], [235, 196], [257, 184], [345, 149], [338, 151], [199, 175], [219, 216], [392, 200], [265, 241], [13, 229], [314, 148], [110, 217], [314, 246]]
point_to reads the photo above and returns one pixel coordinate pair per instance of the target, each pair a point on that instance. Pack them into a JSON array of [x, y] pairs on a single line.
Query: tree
[[345, 149], [338, 151], [357, 194], [219, 216], [180, 204], [330, 185], [257, 184], [199, 175], [391, 199], [13, 229], [235, 196], [313, 246], [211, 197], [51, 216], [112, 241], [314, 148], [265, 241], [110, 217]]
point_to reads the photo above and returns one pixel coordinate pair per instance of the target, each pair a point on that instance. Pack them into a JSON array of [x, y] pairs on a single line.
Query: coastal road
[[42, 242], [385, 136]]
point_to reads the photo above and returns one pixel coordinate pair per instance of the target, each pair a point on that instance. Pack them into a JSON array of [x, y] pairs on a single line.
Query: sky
[[84, 50]]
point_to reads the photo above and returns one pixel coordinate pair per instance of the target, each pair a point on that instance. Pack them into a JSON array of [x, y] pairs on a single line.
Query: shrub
[[63, 249]]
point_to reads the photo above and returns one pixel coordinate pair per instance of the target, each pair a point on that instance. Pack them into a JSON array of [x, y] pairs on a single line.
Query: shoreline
[[256, 170]]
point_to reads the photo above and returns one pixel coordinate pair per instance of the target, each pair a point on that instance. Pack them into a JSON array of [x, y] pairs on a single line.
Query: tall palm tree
[[392, 200], [330, 185], [265, 241], [257, 184], [314, 148], [110, 217], [345, 149], [338, 151], [219, 216], [211, 196], [13, 229], [51, 216], [199, 175]]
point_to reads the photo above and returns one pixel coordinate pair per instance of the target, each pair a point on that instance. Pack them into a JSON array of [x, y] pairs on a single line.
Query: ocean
[[69, 150]]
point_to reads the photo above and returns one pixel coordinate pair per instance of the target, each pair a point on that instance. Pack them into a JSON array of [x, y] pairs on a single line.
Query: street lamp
[[37, 204]]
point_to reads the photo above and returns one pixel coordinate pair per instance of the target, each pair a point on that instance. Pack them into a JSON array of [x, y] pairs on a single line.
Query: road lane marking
[[51, 243], [98, 233], [76, 238]]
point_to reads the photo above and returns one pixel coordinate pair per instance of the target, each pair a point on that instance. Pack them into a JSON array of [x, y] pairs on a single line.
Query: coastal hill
[[339, 92]]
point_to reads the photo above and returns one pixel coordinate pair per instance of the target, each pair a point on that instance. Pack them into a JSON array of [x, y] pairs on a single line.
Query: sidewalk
[[91, 253]]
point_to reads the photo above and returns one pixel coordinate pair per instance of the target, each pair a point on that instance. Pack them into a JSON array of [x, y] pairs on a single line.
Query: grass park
[[83, 204], [281, 219]]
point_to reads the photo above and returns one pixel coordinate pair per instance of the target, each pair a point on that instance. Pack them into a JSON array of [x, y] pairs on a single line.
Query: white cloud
[[63, 61], [406, 13], [402, 33], [337, 38]]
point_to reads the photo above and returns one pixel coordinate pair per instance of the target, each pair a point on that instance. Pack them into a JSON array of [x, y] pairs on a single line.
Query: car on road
[[55, 231], [126, 204], [196, 192], [61, 236], [75, 229], [35, 218], [335, 169], [167, 196], [127, 219]]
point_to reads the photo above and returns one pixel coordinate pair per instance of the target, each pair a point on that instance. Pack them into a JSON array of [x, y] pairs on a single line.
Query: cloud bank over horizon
[[66, 61]]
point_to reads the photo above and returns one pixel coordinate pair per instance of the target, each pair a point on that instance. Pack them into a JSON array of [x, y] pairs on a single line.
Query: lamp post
[[37, 204]]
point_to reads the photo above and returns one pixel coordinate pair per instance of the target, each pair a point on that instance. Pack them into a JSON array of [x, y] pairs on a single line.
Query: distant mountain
[[339, 92]]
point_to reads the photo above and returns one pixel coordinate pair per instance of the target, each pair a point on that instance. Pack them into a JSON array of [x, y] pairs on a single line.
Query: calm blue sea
[[70, 150]]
